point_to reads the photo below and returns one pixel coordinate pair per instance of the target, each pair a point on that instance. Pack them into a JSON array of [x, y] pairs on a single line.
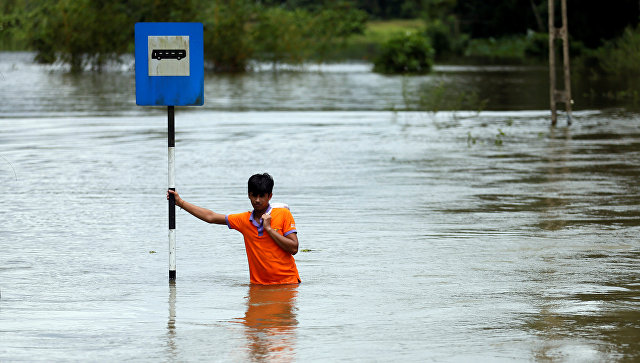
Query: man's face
[[260, 202]]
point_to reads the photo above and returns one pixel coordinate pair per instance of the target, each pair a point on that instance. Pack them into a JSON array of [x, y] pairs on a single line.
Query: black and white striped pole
[[172, 186], [170, 72]]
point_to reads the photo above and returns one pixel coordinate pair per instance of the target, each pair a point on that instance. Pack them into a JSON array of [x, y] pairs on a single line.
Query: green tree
[[165, 10], [12, 32], [330, 28], [79, 32], [590, 22], [227, 43], [622, 57], [293, 36], [442, 27], [90, 32], [393, 9], [281, 35], [406, 53]]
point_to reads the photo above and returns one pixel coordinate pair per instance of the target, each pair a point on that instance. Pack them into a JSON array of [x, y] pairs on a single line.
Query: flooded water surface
[[425, 235]]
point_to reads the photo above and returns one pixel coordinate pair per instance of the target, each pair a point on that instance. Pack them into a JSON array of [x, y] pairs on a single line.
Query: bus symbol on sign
[[168, 54], [163, 50]]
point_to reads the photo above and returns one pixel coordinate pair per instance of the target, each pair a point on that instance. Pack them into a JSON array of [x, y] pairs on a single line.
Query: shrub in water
[[622, 58], [444, 40], [537, 45], [406, 53]]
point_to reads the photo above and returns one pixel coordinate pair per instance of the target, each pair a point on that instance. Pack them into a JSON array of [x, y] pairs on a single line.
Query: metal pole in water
[[556, 95], [172, 201], [552, 63], [566, 63]]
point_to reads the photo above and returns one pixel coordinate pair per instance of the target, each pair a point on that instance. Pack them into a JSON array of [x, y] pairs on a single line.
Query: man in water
[[270, 235]]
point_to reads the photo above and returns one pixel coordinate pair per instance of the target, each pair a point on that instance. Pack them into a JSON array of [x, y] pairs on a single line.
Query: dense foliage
[[622, 57], [88, 33], [408, 53], [226, 37], [590, 22]]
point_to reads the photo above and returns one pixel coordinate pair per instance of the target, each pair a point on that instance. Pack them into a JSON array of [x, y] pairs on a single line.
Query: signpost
[[170, 72]]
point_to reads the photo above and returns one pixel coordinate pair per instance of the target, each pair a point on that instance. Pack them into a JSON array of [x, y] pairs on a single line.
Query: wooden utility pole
[[559, 96]]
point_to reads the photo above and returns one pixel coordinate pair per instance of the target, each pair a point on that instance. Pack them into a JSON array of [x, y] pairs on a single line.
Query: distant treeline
[[88, 33]]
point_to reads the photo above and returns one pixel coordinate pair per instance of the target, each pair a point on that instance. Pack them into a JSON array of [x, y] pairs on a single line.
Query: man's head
[[261, 184], [260, 190]]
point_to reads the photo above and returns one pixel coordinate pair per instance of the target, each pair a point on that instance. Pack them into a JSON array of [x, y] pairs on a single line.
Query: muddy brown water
[[454, 235]]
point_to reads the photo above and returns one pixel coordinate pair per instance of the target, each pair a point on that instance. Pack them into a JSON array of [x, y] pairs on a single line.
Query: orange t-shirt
[[268, 263]]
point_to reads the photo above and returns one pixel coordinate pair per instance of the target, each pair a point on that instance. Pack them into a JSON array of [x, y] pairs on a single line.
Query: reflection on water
[[585, 319], [270, 322], [31, 90], [557, 155], [172, 349]]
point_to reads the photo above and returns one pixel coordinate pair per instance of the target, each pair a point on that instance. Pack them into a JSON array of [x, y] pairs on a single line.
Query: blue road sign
[[169, 64]]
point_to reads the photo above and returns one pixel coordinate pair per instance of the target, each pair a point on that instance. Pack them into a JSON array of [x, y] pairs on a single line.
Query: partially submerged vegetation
[[406, 53], [85, 34]]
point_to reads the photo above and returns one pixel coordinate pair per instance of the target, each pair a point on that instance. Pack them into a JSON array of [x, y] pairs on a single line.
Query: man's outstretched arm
[[198, 212]]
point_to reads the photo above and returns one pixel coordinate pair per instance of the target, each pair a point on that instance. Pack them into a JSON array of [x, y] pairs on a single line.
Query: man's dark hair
[[260, 184]]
